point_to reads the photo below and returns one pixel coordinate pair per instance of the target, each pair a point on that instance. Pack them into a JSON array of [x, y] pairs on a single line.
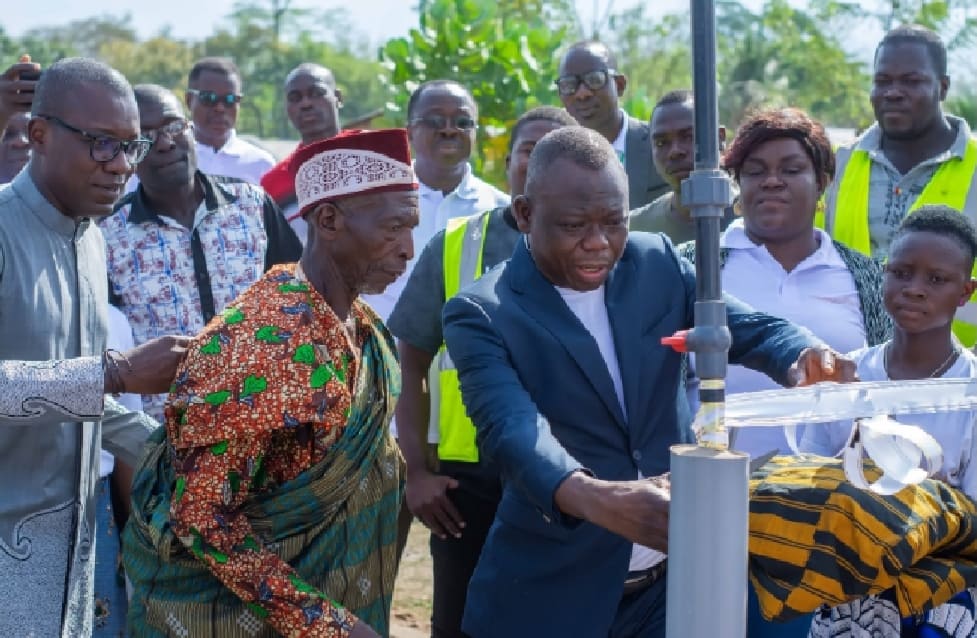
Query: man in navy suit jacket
[[575, 399]]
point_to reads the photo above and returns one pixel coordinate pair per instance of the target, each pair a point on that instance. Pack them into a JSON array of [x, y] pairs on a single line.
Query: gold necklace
[[940, 369]]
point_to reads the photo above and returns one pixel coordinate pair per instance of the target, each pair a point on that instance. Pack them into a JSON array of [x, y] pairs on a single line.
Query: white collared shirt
[[620, 143], [818, 294], [470, 197], [237, 158]]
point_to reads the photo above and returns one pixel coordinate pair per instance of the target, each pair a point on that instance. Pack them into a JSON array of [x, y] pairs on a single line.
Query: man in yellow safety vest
[[454, 258], [914, 155]]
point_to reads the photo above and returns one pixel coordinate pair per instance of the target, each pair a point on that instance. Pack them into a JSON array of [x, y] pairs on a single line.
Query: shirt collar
[[50, 216], [871, 140], [735, 238], [620, 143], [215, 196], [467, 188], [231, 147]]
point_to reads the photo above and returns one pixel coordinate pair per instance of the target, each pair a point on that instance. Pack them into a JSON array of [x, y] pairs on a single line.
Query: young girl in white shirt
[[927, 277]]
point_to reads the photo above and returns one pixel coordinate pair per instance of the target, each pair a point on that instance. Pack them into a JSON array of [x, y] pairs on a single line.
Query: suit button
[[636, 455]]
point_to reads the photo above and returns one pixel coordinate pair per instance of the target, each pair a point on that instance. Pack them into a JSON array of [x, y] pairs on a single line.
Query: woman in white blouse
[[776, 260]]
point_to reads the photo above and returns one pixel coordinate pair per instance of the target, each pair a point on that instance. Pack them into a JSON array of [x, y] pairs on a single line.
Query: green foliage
[[268, 42], [964, 104], [266, 39], [654, 54], [781, 56], [159, 60], [504, 52]]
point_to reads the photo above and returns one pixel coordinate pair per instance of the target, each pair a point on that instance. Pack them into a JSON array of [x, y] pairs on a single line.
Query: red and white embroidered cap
[[354, 162]]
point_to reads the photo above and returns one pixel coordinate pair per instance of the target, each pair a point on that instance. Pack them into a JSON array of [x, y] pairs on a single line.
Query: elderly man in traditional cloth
[[269, 506]]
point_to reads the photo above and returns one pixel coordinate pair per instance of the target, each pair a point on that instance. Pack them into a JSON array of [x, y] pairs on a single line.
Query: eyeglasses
[[593, 80], [209, 98], [440, 122], [172, 129], [103, 148]]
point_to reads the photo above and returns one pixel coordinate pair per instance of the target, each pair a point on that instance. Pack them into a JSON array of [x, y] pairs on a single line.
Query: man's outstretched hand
[[149, 368], [821, 364]]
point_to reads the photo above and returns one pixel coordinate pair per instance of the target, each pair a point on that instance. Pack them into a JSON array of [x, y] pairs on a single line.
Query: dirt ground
[[411, 617]]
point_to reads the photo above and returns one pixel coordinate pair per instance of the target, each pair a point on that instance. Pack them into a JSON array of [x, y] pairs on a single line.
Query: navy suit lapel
[[540, 299], [624, 312]]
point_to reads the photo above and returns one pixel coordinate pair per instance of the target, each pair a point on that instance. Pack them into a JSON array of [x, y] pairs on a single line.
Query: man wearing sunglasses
[[442, 118], [214, 97], [85, 142], [590, 87], [184, 243]]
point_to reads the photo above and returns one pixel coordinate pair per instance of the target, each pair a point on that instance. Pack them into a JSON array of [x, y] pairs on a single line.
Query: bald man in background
[[312, 103]]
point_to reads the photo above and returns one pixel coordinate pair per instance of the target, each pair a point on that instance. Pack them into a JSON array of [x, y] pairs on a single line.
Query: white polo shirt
[[620, 143], [236, 158], [470, 197], [818, 294]]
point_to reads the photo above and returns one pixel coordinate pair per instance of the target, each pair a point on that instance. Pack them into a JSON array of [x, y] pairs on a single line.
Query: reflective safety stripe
[[949, 186], [464, 246]]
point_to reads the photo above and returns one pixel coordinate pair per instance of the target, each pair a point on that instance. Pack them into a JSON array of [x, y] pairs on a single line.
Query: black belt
[[637, 581]]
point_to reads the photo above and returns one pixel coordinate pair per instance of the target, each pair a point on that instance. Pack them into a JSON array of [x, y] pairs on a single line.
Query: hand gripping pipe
[[708, 520]]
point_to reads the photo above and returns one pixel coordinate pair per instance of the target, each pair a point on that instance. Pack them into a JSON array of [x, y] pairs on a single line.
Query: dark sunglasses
[[103, 148], [174, 128], [593, 80], [440, 122], [209, 98]]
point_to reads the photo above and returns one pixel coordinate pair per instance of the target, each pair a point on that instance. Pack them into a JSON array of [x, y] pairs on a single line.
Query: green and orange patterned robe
[[270, 505]]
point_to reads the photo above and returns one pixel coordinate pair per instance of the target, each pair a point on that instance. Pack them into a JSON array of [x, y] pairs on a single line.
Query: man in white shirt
[[441, 120], [559, 357], [213, 97]]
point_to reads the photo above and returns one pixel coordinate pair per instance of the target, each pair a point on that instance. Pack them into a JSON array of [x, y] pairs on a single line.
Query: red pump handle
[[677, 341]]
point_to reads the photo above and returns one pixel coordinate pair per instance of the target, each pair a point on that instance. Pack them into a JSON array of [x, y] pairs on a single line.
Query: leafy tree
[[503, 51], [654, 54], [159, 60], [781, 55], [80, 37], [268, 41], [963, 103]]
